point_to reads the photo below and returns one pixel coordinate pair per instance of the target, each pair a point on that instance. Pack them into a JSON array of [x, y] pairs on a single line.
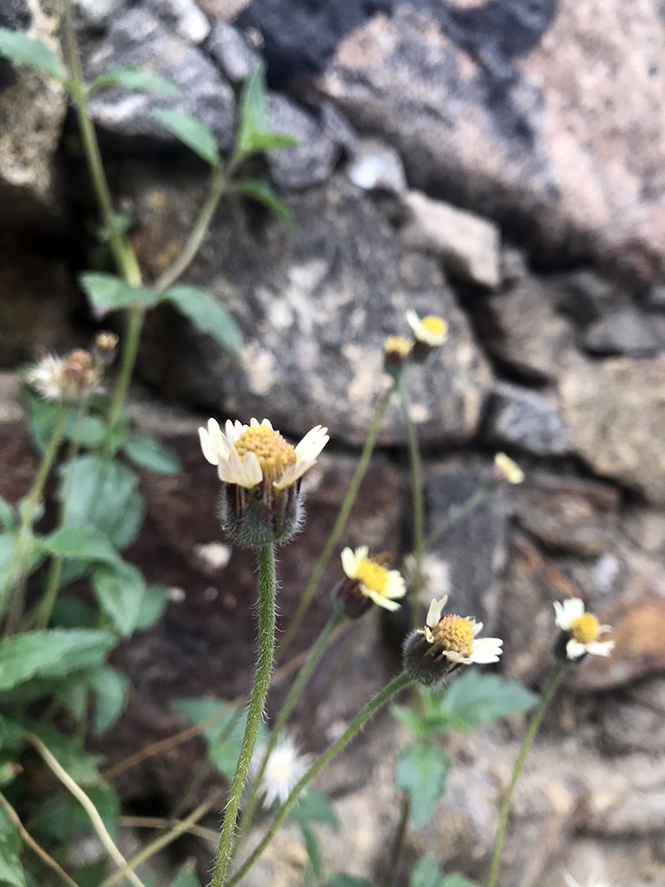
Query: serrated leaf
[[421, 771], [23, 50], [207, 315], [478, 698], [252, 111], [457, 881], [11, 846], [110, 687], [191, 131], [426, 874], [148, 452], [110, 293], [313, 807], [262, 192], [347, 881], [135, 77], [51, 654], [119, 588], [79, 542], [152, 607]]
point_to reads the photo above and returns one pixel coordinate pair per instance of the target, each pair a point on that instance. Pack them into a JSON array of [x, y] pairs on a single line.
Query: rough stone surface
[[376, 166], [314, 305], [615, 414], [468, 244], [586, 296], [230, 51], [526, 419], [627, 331]]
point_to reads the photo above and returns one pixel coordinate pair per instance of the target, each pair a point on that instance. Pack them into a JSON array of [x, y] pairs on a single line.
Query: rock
[[377, 166], [468, 244], [586, 296], [645, 527], [32, 111], [523, 330], [514, 264], [519, 117], [655, 296], [615, 414], [314, 305], [526, 419], [184, 17], [635, 723], [569, 514], [626, 331], [230, 51], [137, 37], [97, 13]]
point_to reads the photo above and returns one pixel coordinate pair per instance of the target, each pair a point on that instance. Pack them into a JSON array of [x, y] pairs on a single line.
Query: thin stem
[[398, 843], [159, 843], [27, 838], [157, 822], [340, 523], [457, 512], [130, 350], [266, 559], [534, 723], [294, 694], [418, 505], [16, 565], [86, 803], [354, 727]]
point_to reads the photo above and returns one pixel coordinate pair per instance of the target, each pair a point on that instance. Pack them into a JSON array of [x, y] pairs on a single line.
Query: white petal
[[600, 648], [395, 585], [233, 430], [574, 649], [486, 650], [412, 319], [451, 656], [434, 612], [476, 626], [574, 607], [252, 469], [379, 599], [210, 453], [307, 452], [350, 563]]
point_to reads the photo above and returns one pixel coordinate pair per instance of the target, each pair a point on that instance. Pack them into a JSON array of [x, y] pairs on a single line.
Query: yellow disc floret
[[275, 455], [454, 634], [585, 628], [399, 346], [372, 575], [437, 326]]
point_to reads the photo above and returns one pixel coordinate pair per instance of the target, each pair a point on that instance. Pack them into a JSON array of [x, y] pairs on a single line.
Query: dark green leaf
[[109, 293], [7, 516], [93, 874], [426, 874], [110, 687], [457, 881], [347, 881], [224, 752], [119, 588], [478, 698], [202, 707], [51, 819], [252, 111], [207, 315], [51, 654], [134, 77], [191, 131], [263, 193], [11, 736], [24, 50], [11, 846], [70, 612], [313, 850], [313, 807], [154, 603], [421, 771], [80, 542], [150, 453]]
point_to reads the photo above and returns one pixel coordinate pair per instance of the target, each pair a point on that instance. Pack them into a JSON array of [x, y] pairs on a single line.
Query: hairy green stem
[[266, 560], [534, 723], [354, 727], [398, 843], [130, 351], [18, 555], [340, 523], [457, 512], [306, 671]]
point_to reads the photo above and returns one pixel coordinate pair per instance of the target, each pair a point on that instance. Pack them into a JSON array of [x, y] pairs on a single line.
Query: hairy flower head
[[67, 378], [285, 768]]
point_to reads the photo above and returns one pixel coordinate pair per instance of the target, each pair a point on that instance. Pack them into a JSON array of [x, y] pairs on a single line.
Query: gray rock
[[626, 331], [586, 296], [138, 37], [97, 13], [527, 420], [315, 306], [468, 244], [377, 166], [514, 264], [230, 51], [183, 17], [655, 296]]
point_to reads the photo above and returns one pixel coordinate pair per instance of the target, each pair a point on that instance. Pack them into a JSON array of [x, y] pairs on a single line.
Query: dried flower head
[[429, 333], [396, 351], [445, 643], [505, 469], [579, 631], [67, 378], [106, 344], [368, 581], [285, 768], [262, 475]]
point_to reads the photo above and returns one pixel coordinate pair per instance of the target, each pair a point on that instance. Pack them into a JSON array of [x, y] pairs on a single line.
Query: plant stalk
[[456, 513]]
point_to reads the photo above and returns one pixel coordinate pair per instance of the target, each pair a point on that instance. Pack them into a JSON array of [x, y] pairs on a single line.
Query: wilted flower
[[67, 378], [396, 351], [106, 344], [429, 333], [505, 469], [367, 581], [580, 631], [262, 473], [445, 643], [285, 768]]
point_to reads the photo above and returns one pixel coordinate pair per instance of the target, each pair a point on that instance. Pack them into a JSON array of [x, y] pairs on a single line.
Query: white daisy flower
[[431, 330], [455, 637], [285, 768], [380, 585], [583, 628]]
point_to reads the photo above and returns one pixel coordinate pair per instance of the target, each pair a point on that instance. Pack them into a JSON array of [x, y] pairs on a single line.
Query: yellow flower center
[[275, 455], [585, 628], [454, 634], [433, 324], [372, 575], [398, 345]]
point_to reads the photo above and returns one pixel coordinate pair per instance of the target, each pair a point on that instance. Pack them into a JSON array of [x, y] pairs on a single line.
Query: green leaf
[[90, 432], [264, 193], [314, 807], [24, 50], [152, 607], [201, 707], [252, 111], [103, 494], [207, 315], [119, 588], [347, 881], [421, 771], [411, 719], [135, 77], [186, 877], [224, 752], [191, 131], [11, 846], [271, 141], [84, 543], [313, 850], [7, 516], [477, 698], [426, 874], [51, 819], [109, 293], [111, 687], [457, 881], [51, 654], [70, 612], [148, 452]]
